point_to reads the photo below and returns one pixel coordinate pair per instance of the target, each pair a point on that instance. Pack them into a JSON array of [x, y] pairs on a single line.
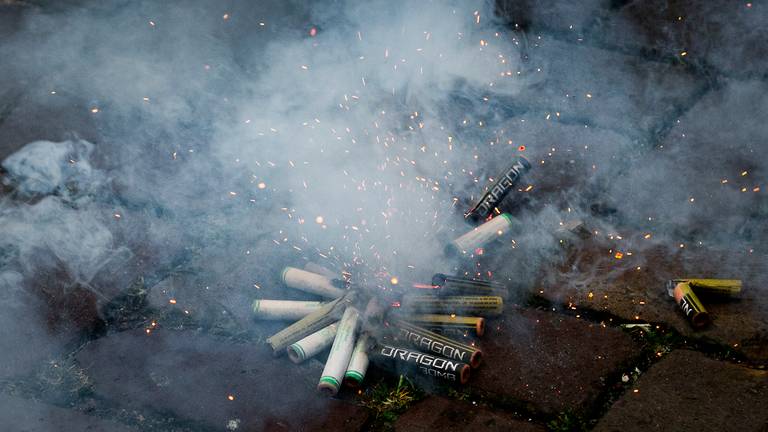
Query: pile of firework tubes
[[421, 334]]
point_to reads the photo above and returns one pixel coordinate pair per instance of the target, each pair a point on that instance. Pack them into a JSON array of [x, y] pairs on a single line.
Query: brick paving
[[687, 391], [549, 363], [439, 413], [191, 376]]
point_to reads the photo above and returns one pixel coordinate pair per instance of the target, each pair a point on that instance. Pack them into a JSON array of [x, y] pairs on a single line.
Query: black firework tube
[[498, 190], [460, 305], [690, 305], [455, 285], [400, 359], [448, 325], [431, 342]]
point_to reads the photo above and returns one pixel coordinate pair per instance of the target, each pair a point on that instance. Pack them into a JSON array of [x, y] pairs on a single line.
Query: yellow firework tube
[[710, 287], [475, 324], [690, 305], [460, 305]]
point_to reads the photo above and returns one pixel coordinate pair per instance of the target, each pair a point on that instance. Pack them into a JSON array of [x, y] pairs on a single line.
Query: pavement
[[596, 344]]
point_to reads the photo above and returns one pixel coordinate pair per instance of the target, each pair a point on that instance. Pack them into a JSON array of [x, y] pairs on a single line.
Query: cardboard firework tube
[[485, 206], [284, 309], [323, 317], [461, 305], [690, 305], [460, 323], [397, 359], [317, 268], [309, 282], [480, 235], [431, 342], [710, 287], [454, 285], [312, 344], [358, 363], [341, 352]]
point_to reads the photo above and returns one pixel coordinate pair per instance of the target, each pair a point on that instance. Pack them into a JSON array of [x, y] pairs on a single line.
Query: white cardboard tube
[[312, 344], [317, 268], [358, 363], [312, 283], [482, 235], [284, 309], [341, 351]]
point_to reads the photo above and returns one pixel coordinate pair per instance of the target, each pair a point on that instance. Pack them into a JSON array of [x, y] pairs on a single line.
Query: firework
[[690, 305], [341, 352], [312, 283], [461, 305], [312, 344], [427, 341], [480, 235], [486, 205], [284, 309], [449, 324], [399, 359], [358, 363], [709, 287], [323, 317], [455, 285]]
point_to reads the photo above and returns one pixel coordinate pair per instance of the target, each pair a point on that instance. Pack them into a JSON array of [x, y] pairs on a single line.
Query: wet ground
[[611, 354]]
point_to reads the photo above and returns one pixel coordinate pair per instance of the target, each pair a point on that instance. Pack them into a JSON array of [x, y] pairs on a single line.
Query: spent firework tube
[[441, 323], [312, 283], [323, 317], [453, 285], [321, 270], [498, 190], [431, 342], [358, 363], [397, 359], [710, 287], [461, 305], [690, 305], [284, 309], [341, 352], [480, 235], [312, 344]]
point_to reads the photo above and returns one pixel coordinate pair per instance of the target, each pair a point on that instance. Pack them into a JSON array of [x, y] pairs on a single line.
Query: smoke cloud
[[220, 142]]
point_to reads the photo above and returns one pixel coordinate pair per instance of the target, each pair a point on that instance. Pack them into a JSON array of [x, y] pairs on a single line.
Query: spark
[[231, 397], [94, 110], [172, 301], [262, 185]]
